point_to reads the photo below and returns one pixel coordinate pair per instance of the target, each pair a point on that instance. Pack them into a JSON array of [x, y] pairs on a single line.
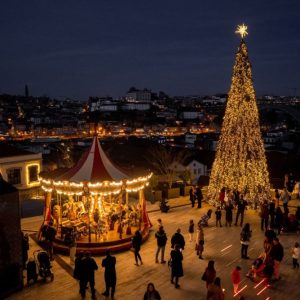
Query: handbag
[[204, 277]]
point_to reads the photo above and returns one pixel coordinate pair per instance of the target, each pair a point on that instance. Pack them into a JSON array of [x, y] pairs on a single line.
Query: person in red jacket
[[236, 278]]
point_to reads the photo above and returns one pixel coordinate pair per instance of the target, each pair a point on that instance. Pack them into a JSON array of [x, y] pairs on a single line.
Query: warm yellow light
[[33, 183], [242, 30], [240, 163]]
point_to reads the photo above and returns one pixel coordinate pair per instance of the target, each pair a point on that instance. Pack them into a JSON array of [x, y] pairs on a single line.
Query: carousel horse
[[56, 214]]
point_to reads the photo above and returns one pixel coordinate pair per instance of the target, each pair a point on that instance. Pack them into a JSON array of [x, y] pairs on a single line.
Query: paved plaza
[[221, 245]]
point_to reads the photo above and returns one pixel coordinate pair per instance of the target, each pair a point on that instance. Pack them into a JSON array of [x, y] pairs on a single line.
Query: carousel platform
[[99, 248]]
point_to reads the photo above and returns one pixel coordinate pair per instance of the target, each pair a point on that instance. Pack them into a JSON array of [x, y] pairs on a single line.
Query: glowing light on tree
[[240, 162]]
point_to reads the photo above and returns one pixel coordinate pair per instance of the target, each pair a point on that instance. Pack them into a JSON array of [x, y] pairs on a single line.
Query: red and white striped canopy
[[93, 167]]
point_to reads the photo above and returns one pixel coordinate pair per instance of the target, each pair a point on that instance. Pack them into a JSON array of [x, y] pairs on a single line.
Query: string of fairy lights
[[240, 162]]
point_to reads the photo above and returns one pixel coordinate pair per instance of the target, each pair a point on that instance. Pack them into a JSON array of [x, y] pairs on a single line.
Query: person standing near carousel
[[136, 245]]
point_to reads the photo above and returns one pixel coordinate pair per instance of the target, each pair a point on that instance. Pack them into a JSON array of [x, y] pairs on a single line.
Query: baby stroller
[[256, 269], [31, 271], [261, 267], [42, 260]]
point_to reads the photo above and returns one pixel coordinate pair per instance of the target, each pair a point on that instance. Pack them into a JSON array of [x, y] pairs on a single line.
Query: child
[[200, 241], [218, 216], [159, 223], [295, 255], [236, 278], [191, 230]]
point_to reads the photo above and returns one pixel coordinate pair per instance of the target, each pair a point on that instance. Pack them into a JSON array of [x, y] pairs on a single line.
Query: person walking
[[209, 274], [192, 195], [87, 270], [295, 255], [277, 197], [278, 220], [218, 214], [272, 213], [191, 230], [176, 266], [199, 196], [215, 291], [285, 197], [241, 206], [236, 278], [159, 223], [228, 213], [264, 215], [200, 241], [151, 293], [245, 240], [161, 239], [110, 276], [136, 245], [222, 195], [77, 267], [178, 238], [276, 254]]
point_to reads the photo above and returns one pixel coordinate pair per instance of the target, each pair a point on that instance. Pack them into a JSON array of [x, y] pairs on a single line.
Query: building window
[[195, 171], [14, 176], [33, 174], [199, 171]]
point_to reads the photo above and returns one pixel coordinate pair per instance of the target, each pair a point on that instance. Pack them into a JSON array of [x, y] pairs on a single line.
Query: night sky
[[77, 49]]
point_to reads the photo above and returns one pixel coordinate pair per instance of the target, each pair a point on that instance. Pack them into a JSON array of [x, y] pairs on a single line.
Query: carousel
[[96, 200]]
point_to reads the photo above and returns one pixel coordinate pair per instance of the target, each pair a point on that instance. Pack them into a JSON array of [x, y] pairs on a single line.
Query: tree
[[240, 162], [162, 158]]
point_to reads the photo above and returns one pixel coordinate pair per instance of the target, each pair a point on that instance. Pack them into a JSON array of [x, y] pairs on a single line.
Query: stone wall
[[10, 241]]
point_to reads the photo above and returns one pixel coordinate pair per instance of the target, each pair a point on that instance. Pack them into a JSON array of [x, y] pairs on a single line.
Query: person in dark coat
[[49, 233], [87, 270], [77, 267], [199, 196], [161, 239], [176, 267], [264, 215], [245, 236], [278, 220], [192, 196], [210, 273], [178, 238], [136, 245], [110, 277], [151, 293], [272, 213], [228, 213], [241, 206]]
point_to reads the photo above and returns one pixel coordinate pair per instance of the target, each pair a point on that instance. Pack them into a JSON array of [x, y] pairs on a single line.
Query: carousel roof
[[94, 166]]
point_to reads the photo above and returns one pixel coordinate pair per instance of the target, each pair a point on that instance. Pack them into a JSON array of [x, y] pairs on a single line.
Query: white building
[[20, 167], [191, 115], [195, 168], [136, 106], [139, 95]]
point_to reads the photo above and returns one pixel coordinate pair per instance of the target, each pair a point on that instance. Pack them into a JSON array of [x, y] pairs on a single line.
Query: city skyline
[[74, 50]]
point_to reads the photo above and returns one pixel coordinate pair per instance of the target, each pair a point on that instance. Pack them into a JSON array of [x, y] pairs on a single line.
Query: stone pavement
[[221, 244]]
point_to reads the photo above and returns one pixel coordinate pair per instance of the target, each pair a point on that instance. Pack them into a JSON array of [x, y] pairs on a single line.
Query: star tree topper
[[242, 30]]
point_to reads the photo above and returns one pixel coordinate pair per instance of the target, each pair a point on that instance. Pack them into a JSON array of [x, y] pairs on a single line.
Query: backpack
[[244, 236]]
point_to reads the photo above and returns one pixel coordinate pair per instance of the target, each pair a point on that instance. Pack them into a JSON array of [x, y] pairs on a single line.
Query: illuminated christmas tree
[[240, 162]]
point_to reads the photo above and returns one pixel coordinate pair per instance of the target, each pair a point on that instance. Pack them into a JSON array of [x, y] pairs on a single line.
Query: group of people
[[196, 195], [84, 271]]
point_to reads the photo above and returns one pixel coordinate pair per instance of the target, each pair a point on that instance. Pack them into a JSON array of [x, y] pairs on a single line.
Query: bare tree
[[162, 158]]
